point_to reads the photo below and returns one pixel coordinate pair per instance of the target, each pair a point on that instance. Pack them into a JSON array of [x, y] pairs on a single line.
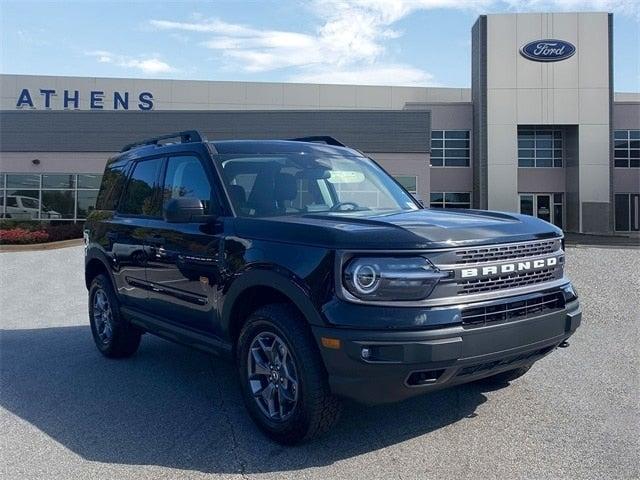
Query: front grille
[[483, 367], [509, 311], [511, 280], [506, 252]]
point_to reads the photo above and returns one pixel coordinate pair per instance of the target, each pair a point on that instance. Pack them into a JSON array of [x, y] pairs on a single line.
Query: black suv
[[318, 274]]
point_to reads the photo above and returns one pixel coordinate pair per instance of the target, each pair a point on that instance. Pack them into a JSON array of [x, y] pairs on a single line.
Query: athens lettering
[[51, 99], [507, 268]]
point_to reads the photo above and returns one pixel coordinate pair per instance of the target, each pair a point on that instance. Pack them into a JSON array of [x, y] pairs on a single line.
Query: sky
[[377, 42]]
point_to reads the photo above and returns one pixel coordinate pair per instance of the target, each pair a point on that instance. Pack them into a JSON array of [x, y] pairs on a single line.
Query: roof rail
[[320, 139], [187, 136]]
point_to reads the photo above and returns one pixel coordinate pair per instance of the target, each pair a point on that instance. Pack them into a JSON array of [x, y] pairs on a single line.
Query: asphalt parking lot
[[169, 412]]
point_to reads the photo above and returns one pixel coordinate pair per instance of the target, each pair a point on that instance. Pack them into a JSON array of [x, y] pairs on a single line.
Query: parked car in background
[[21, 207]]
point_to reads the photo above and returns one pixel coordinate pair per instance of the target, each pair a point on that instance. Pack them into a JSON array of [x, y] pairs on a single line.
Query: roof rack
[[187, 136], [319, 139]]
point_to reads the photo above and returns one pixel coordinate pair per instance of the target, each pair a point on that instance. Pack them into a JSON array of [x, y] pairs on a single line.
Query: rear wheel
[[284, 384], [113, 335]]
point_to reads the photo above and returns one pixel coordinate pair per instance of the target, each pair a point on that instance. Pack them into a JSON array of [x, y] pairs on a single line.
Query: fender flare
[[95, 254], [274, 280]]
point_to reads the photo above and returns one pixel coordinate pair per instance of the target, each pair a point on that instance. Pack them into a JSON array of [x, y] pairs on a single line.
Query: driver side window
[[186, 177]]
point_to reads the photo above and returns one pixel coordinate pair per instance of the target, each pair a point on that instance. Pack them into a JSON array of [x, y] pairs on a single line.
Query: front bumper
[[402, 364]]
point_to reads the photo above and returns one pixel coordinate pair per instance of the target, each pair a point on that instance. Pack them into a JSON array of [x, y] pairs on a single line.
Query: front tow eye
[[564, 344]]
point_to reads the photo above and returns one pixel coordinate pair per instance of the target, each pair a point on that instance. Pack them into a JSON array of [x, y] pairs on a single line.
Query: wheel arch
[[258, 288], [95, 265]]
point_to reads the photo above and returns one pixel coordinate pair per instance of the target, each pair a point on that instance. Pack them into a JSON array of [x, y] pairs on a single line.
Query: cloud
[[386, 74], [151, 65], [349, 44]]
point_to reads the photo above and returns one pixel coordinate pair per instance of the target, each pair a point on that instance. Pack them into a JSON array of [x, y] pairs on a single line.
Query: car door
[[184, 265], [139, 206]]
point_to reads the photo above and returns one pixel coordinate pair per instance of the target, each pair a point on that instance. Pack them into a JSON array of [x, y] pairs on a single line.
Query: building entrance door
[[545, 206]]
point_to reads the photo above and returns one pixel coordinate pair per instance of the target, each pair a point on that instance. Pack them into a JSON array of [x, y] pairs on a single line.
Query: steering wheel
[[338, 207]]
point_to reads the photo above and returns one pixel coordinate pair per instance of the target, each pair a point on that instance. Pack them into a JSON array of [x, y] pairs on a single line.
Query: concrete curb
[[41, 246]]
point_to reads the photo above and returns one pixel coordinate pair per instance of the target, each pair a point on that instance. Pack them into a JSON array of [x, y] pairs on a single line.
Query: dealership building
[[541, 131]]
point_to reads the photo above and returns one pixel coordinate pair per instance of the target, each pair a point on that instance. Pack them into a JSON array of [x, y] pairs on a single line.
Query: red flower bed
[[22, 236]]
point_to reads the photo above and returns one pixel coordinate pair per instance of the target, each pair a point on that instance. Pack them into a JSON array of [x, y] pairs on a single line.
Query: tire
[[504, 377], [112, 334], [304, 406]]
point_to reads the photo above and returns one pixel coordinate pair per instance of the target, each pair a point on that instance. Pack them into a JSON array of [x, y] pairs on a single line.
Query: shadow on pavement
[[174, 407]]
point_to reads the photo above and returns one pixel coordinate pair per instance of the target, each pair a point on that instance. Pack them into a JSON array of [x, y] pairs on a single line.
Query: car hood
[[417, 229]]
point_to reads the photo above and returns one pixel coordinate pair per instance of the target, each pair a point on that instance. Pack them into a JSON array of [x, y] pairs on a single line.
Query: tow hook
[[564, 344]]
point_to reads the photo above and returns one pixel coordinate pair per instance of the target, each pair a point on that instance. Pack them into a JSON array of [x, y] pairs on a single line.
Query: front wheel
[[284, 384], [113, 335]]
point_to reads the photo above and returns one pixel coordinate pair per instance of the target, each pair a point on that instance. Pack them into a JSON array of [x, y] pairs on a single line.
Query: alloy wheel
[[272, 376], [102, 316]]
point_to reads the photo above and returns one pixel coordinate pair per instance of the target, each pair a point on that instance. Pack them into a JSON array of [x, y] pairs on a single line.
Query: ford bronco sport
[[318, 274]]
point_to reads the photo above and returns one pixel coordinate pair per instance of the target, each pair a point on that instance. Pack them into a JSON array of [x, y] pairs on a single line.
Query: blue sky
[[388, 42]]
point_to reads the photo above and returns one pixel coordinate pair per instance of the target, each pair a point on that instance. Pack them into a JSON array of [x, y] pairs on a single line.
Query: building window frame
[[441, 142], [40, 189], [626, 148], [528, 148], [412, 191], [633, 211], [445, 203], [556, 206]]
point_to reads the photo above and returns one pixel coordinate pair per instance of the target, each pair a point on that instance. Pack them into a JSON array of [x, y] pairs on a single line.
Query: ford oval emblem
[[549, 50]]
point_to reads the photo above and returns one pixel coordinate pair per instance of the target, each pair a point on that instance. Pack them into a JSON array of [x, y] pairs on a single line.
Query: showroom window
[[626, 146], [450, 200], [450, 148], [540, 148], [50, 196], [409, 182], [627, 211]]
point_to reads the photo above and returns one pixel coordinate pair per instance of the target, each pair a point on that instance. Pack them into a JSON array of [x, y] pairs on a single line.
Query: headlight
[[391, 278]]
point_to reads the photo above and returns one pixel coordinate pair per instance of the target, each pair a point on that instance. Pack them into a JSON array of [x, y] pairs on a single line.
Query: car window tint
[[111, 187], [186, 177], [139, 197]]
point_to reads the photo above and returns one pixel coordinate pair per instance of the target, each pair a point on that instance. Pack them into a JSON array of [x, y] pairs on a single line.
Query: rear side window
[[186, 178], [111, 188], [140, 196]]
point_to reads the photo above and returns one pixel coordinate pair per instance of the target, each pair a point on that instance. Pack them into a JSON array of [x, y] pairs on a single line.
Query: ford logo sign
[[548, 50]]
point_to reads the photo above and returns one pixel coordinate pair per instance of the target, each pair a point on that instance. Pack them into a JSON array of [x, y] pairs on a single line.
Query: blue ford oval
[[549, 50]]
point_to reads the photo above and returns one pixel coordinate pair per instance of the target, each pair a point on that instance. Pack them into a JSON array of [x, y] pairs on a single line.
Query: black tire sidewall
[[123, 333], [297, 424]]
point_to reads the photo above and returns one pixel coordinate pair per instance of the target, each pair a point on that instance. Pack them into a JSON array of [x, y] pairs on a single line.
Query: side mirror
[[184, 210]]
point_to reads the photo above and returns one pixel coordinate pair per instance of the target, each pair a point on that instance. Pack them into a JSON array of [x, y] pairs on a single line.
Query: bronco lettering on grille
[[509, 267]]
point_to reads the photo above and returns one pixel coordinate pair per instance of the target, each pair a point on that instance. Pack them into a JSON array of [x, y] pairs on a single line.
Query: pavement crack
[[226, 416]]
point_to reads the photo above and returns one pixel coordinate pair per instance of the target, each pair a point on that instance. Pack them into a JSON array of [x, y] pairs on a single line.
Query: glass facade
[[409, 182], [450, 200], [627, 212], [49, 196], [540, 147], [450, 148], [626, 146], [546, 206]]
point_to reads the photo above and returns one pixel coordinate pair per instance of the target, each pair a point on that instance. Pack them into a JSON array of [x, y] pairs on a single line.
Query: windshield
[[267, 185]]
